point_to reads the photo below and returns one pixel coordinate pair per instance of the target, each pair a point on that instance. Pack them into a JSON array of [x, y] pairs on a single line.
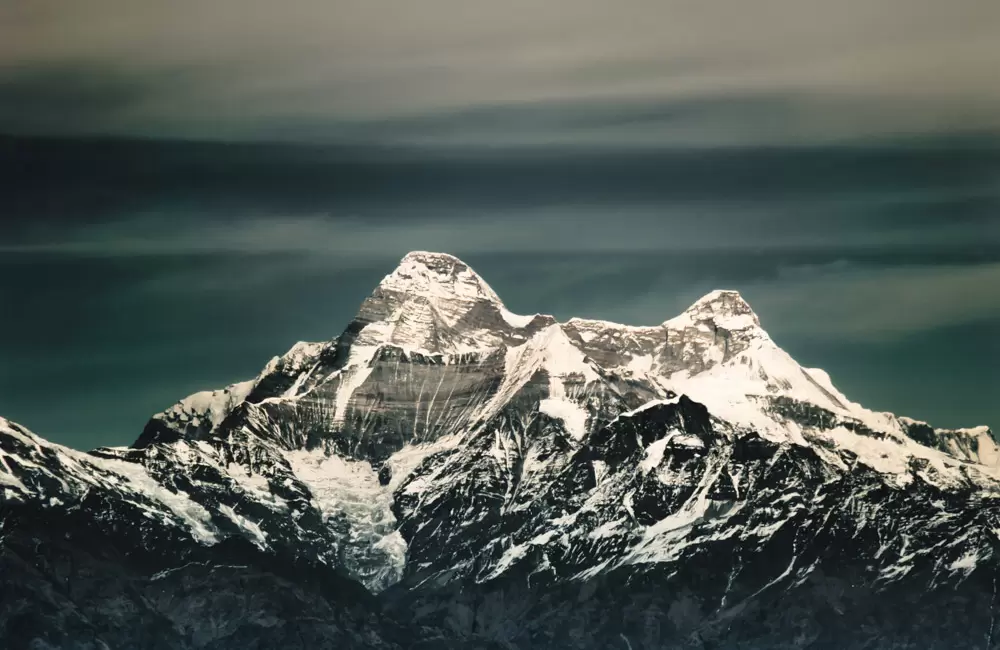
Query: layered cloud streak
[[452, 71]]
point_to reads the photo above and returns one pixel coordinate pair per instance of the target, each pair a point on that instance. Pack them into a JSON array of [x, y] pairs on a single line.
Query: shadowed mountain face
[[446, 473]]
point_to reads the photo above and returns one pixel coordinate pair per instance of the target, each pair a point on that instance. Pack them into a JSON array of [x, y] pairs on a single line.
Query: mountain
[[446, 473]]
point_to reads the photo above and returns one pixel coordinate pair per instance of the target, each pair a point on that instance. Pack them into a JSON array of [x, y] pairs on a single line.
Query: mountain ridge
[[442, 448], [720, 315]]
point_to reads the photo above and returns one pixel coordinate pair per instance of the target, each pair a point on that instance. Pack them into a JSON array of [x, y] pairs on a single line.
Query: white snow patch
[[966, 564], [351, 489], [640, 365], [192, 514], [648, 405], [257, 485], [561, 358], [600, 470], [7, 476], [214, 405], [516, 320], [79, 471], [340, 486], [653, 455], [607, 529], [354, 374], [393, 545], [572, 414], [549, 350], [403, 462], [256, 535], [662, 541], [520, 551], [687, 440]]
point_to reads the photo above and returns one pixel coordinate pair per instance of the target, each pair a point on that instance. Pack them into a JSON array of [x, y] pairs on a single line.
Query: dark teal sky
[[134, 273], [188, 188]]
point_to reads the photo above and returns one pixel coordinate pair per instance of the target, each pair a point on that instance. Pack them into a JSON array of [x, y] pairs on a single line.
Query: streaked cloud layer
[[461, 71], [837, 162], [895, 239]]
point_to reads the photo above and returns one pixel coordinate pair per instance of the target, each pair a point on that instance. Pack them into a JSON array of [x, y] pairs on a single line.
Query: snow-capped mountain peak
[[441, 439], [436, 303], [723, 309], [433, 363], [439, 277], [436, 307]]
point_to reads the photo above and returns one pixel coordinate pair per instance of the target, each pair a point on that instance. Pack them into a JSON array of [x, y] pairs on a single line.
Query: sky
[[189, 188]]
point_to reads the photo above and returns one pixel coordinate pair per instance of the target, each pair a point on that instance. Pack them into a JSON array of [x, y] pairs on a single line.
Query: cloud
[[835, 293], [629, 235], [37, 97], [481, 72], [863, 303], [840, 301], [665, 228], [935, 199]]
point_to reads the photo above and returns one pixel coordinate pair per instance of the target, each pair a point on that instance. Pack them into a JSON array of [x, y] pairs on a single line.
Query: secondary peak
[[724, 307]]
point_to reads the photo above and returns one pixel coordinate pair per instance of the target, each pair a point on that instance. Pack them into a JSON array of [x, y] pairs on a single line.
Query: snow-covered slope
[[442, 439], [435, 319], [434, 360]]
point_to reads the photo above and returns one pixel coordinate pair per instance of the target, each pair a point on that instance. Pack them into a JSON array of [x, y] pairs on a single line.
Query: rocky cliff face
[[491, 478]]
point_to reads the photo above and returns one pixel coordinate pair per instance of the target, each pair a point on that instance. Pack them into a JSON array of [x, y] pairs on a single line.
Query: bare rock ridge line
[[686, 484]]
